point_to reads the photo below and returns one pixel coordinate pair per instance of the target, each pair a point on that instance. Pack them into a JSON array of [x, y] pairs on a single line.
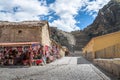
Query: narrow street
[[66, 68]]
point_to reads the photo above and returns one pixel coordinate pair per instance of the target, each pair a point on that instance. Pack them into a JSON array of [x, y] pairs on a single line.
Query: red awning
[[18, 44]]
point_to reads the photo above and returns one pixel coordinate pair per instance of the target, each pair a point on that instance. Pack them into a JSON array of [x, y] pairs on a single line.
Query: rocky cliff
[[63, 38], [81, 39], [107, 21]]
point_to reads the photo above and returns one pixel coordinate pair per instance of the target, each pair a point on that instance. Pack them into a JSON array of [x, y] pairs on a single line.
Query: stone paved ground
[[66, 68]]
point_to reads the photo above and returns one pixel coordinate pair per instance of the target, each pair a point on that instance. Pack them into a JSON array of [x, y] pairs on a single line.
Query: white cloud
[[27, 9], [93, 7], [65, 9]]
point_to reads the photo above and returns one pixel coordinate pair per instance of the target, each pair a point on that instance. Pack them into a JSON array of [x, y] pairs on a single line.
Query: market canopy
[[19, 43]]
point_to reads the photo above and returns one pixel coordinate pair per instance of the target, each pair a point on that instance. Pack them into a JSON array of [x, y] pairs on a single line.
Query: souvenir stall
[[28, 53], [24, 53], [56, 49]]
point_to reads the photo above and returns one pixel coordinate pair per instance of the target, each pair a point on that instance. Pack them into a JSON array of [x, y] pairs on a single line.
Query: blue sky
[[67, 15], [84, 18]]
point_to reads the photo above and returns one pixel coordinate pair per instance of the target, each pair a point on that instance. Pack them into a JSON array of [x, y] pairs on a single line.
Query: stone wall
[[46, 35], [33, 31], [110, 65], [20, 34]]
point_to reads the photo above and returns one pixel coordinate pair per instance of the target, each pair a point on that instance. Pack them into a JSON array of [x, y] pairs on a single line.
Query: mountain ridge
[[107, 21]]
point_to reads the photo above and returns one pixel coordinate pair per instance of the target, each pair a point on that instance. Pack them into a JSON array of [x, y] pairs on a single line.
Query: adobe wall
[[20, 33], [45, 35]]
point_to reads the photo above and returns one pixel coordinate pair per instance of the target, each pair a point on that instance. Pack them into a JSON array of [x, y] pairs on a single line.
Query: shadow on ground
[[81, 60], [13, 66], [110, 75]]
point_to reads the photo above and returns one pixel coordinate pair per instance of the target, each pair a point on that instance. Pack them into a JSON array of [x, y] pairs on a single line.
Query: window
[[19, 31]]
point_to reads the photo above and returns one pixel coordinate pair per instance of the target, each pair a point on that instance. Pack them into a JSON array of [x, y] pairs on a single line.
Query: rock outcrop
[[107, 21], [81, 39], [63, 38]]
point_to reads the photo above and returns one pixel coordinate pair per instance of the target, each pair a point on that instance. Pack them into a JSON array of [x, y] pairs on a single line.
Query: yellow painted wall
[[109, 52], [106, 46], [88, 50], [117, 50], [106, 41], [89, 47]]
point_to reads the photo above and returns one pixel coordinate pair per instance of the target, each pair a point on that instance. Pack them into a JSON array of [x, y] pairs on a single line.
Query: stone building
[[26, 31]]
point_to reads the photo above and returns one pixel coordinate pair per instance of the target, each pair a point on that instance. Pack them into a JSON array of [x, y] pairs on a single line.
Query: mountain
[[107, 21], [81, 39], [63, 38]]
